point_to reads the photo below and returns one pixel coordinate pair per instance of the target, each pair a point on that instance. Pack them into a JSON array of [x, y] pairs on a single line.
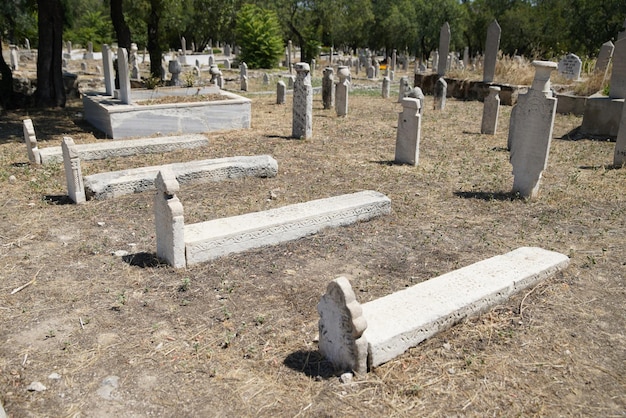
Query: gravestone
[[15, 62], [417, 93], [122, 70], [302, 122], [211, 60], [68, 46], [313, 62], [266, 79], [491, 109], [27, 42], [394, 58], [386, 87], [89, 54], [289, 47], [435, 65], [134, 62], [376, 69], [409, 131], [227, 51], [570, 66], [169, 220], [281, 92], [73, 174], [342, 90], [328, 88], [492, 45], [107, 65], [243, 69], [175, 69], [466, 60], [370, 72], [604, 56], [183, 45], [341, 326], [441, 90], [83, 67], [403, 89], [31, 142], [530, 131], [244, 83], [617, 88], [227, 64], [444, 48], [619, 156]]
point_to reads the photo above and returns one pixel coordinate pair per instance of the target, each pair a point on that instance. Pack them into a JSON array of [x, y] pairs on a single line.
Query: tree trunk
[[50, 89], [6, 84], [154, 46], [122, 31]]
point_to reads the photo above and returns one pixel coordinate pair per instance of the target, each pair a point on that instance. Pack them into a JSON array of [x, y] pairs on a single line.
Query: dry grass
[[236, 336]]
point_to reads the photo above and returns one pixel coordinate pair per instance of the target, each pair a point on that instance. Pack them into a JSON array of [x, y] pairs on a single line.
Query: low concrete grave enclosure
[[119, 120], [356, 336], [107, 149], [182, 245], [135, 180]]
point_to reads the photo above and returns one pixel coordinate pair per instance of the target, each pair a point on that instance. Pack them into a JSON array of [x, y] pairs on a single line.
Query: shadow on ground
[[311, 363]]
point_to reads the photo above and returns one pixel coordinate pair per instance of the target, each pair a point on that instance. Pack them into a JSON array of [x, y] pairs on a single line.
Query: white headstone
[[169, 220], [386, 87], [281, 92], [107, 65], [15, 62], [403, 89], [302, 126], [492, 45], [73, 173], [441, 90], [31, 142], [409, 131], [491, 110], [124, 76], [342, 89], [530, 131], [570, 66]]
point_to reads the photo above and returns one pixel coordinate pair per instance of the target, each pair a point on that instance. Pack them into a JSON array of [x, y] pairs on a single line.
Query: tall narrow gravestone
[[409, 131], [302, 121], [122, 69], [170, 221], [107, 66], [441, 90], [444, 49], [617, 89], [281, 92], [530, 131], [328, 88], [342, 89], [491, 109], [604, 56], [492, 45], [386, 87], [403, 89]]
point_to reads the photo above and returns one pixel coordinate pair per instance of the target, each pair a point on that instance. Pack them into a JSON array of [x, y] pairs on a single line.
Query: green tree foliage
[[93, 26], [258, 35]]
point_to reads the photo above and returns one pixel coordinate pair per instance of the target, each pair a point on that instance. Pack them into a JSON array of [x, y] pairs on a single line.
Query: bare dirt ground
[[130, 337]]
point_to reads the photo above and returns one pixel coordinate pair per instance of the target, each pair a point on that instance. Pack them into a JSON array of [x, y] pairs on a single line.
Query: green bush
[[258, 36]]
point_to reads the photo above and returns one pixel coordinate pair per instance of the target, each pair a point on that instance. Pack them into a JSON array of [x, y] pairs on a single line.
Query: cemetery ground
[[129, 336]]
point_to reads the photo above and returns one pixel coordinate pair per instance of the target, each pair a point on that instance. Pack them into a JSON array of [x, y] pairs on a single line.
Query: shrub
[[258, 35]]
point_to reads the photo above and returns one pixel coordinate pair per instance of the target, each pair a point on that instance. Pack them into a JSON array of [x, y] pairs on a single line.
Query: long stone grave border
[[108, 149], [183, 245], [356, 337]]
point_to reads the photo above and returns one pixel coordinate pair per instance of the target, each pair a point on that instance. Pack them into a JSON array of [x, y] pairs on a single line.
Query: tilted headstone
[[243, 69], [281, 92], [27, 43], [73, 174], [386, 87], [169, 220], [619, 156], [492, 45], [403, 89], [604, 56], [441, 90], [122, 70], [409, 131], [570, 66], [342, 89], [244, 83], [31, 142], [175, 69], [302, 126], [617, 87], [341, 327], [107, 65], [491, 110], [530, 131], [444, 49], [328, 88]]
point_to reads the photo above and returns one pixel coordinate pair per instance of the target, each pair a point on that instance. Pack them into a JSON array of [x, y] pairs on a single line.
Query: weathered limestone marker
[[342, 90], [386, 87], [492, 45], [73, 174], [604, 56], [530, 131], [441, 90], [617, 88], [390, 325], [409, 131], [169, 220], [122, 70], [302, 121], [570, 67], [341, 327], [31, 142], [444, 49], [491, 110], [619, 157], [107, 66], [328, 88], [281, 92]]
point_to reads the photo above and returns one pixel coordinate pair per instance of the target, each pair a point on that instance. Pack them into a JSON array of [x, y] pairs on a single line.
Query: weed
[[184, 286]]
